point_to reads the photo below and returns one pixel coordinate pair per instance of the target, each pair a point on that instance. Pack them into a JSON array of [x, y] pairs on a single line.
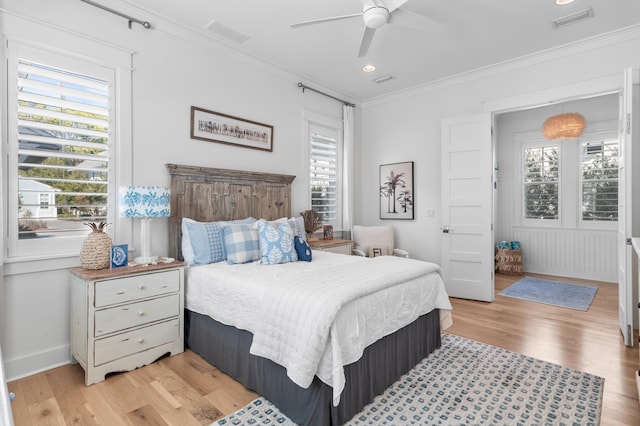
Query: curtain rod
[[325, 94], [145, 24]]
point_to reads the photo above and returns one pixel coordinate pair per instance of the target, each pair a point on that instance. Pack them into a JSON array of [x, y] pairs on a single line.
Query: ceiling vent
[[382, 79], [574, 17], [226, 32]]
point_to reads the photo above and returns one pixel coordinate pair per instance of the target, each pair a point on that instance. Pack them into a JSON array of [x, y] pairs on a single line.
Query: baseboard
[[592, 275], [29, 365]]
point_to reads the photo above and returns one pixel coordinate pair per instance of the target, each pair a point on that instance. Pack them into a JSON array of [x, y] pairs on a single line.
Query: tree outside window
[[541, 174]]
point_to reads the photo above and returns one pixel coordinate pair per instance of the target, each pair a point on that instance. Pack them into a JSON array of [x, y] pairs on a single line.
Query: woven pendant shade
[[564, 126]]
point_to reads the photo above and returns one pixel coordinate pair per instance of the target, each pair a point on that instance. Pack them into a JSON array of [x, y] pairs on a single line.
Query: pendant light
[[564, 126]]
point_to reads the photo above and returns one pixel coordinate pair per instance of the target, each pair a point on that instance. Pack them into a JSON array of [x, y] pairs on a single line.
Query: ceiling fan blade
[[323, 20], [408, 19], [367, 37], [393, 4]]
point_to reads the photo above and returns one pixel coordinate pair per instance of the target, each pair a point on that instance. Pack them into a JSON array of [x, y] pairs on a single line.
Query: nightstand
[[335, 246], [127, 317]]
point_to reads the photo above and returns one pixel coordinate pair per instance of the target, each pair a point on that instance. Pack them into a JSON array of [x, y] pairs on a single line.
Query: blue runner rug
[[555, 293]]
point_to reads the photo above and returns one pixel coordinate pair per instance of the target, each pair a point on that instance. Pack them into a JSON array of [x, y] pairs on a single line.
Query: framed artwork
[[119, 255], [396, 191], [327, 232], [213, 126]]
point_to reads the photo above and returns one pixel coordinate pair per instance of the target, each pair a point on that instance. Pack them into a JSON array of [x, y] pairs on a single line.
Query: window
[[599, 180], [325, 145], [59, 150], [541, 182], [44, 201]]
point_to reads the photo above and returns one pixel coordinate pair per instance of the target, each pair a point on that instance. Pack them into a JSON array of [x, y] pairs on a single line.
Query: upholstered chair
[[372, 241]]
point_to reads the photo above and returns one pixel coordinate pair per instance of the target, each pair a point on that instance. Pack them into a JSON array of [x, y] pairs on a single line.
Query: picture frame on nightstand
[[327, 232], [119, 255]]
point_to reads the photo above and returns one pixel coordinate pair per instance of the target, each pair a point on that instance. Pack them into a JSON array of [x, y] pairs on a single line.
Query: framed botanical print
[[396, 191]]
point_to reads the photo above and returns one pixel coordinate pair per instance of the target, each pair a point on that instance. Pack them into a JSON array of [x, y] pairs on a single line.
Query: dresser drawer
[[110, 292], [126, 316], [135, 341]]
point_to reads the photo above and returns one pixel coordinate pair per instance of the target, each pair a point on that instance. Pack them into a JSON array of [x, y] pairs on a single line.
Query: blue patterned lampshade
[[144, 201]]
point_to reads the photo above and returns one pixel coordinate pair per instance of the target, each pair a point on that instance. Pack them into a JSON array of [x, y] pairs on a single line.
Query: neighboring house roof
[[43, 146], [34, 185]]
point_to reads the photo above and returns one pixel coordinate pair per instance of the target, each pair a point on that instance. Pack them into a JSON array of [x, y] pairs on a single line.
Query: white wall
[[169, 75], [406, 127]]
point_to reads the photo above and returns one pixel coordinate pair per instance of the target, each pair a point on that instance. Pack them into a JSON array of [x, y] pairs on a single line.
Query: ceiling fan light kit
[[564, 126]]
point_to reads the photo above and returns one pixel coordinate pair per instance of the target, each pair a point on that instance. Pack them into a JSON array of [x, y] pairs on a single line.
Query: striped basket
[[509, 262]]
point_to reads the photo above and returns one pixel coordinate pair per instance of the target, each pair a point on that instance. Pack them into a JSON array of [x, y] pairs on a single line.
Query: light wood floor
[[185, 390]]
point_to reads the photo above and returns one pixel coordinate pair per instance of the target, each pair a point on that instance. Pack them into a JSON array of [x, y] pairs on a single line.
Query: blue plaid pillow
[[241, 243], [203, 235], [206, 241], [276, 243]]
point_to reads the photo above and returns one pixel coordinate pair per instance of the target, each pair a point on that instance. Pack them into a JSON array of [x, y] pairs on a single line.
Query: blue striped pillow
[[206, 240]]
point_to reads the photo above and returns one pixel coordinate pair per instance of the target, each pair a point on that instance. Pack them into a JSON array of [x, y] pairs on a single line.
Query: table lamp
[[145, 202]]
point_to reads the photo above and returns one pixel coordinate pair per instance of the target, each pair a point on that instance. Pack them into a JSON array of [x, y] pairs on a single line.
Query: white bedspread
[[315, 317]]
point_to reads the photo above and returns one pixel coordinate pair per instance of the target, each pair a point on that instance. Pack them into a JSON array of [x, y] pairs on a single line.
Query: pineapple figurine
[[96, 248]]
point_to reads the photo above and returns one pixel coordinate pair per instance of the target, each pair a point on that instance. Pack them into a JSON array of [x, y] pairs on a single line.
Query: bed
[[234, 317]]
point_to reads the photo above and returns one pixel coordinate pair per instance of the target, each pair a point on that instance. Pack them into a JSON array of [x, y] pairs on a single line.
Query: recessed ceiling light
[[563, 2], [369, 68]]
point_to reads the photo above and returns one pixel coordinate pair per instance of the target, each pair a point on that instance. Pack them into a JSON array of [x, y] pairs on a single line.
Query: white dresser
[[124, 318]]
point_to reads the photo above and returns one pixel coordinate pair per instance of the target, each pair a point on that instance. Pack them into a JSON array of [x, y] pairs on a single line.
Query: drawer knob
[[140, 340], [141, 313], [141, 287]]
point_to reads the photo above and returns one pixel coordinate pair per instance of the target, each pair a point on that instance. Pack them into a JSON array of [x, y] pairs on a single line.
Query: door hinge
[[628, 123], [628, 241]]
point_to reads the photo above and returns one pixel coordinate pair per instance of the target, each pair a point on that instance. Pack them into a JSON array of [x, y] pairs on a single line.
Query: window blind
[[324, 172], [63, 150]]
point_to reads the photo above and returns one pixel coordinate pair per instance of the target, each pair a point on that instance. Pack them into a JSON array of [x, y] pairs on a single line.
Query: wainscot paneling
[[579, 253]]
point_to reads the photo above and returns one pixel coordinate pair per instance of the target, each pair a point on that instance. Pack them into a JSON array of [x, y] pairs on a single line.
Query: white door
[[467, 200], [626, 196]]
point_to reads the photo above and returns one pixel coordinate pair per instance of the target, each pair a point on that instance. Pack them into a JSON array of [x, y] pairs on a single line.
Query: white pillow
[[297, 224]]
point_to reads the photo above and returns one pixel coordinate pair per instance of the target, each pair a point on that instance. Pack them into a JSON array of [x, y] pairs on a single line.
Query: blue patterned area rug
[[468, 382], [554, 293]]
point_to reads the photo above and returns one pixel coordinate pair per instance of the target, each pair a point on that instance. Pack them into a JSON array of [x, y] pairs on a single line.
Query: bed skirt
[[381, 364]]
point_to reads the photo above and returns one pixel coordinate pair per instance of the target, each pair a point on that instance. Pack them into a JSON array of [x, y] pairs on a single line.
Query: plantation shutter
[[63, 150], [324, 172], [600, 180]]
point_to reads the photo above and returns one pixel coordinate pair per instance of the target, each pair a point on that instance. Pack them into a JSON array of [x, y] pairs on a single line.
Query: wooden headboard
[[206, 194]]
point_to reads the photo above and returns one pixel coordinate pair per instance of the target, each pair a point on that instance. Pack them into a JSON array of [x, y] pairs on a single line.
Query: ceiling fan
[[375, 14]]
